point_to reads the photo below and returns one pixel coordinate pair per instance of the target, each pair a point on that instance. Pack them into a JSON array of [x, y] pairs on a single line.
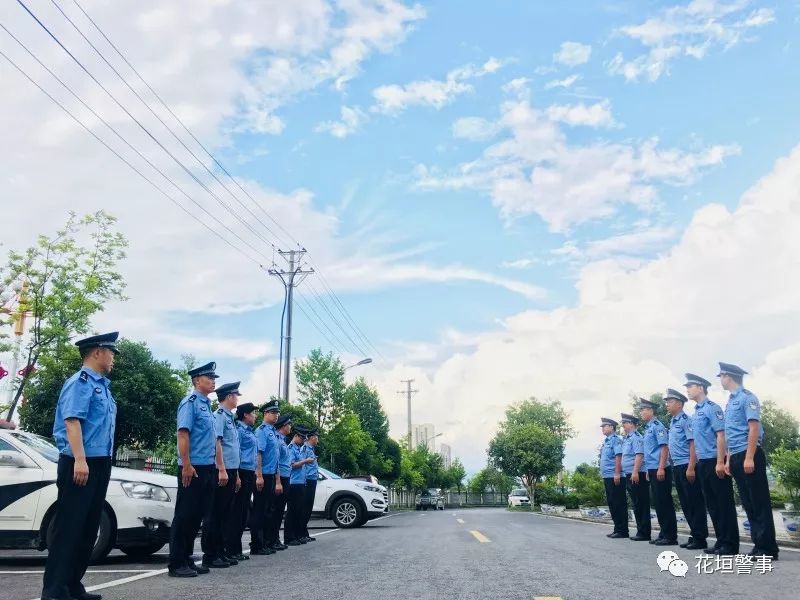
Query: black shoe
[[217, 563], [617, 536], [684, 544], [724, 551], [654, 541], [262, 552], [240, 557], [86, 596], [665, 542], [295, 543], [278, 546], [199, 569], [755, 552], [231, 560], [609, 534], [310, 539], [640, 538], [182, 572], [696, 545]]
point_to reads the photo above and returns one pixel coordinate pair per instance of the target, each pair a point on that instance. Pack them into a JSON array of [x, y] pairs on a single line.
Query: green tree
[[588, 485], [350, 450], [780, 428], [147, 392], [530, 442], [661, 411], [490, 479], [392, 455], [362, 399], [786, 464], [66, 283], [321, 387], [457, 474], [410, 477]]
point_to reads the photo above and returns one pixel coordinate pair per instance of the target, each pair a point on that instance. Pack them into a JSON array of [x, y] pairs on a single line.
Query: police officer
[[746, 461], [656, 452], [312, 474], [198, 451], [240, 508], [266, 484], [84, 433], [228, 439], [611, 472], [684, 462], [708, 429], [297, 488], [283, 426], [633, 468]]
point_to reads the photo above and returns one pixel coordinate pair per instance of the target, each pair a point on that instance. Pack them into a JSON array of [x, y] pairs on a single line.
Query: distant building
[[446, 454], [423, 434]]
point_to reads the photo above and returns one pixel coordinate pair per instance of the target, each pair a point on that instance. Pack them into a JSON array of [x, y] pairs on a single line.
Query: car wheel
[[141, 551], [417, 508], [103, 543], [347, 513]]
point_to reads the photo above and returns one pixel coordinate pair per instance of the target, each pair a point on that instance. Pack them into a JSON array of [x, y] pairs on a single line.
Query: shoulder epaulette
[[84, 376], [193, 397], [219, 411]]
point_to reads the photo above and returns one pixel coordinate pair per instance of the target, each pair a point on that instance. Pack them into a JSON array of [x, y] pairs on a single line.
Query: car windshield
[[433, 492], [39, 444], [329, 474], [519, 493]]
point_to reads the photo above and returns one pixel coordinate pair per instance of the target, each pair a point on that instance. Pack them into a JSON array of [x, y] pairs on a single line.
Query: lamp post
[[433, 438], [363, 361]]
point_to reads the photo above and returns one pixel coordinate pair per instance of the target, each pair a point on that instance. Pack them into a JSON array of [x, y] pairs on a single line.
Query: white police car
[[137, 514], [346, 502]]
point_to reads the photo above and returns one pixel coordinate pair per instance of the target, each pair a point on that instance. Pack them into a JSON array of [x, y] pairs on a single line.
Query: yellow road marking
[[460, 521], [480, 537]]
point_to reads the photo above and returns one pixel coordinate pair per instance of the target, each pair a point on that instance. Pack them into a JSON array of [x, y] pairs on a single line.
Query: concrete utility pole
[[290, 278], [408, 392], [20, 312]]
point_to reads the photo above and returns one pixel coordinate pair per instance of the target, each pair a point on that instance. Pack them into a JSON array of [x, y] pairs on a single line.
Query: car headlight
[[369, 487], [144, 491]]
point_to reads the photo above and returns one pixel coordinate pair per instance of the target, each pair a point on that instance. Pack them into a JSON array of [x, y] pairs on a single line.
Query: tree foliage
[[781, 429], [363, 400], [456, 474], [491, 479], [321, 387]]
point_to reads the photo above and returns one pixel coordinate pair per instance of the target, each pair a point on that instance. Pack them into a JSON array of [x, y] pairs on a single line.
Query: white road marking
[[460, 521], [93, 571]]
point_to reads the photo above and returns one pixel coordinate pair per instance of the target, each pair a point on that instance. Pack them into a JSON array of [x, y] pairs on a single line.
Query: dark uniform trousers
[[293, 526], [692, 502], [213, 539], [77, 519], [617, 504], [754, 492], [236, 521], [661, 491], [260, 522], [276, 514], [192, 507], [640, 498], [311, 492], [718, 496]]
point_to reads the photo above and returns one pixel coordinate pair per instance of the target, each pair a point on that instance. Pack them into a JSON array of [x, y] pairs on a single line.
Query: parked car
[[519, 497], [430, 498], [347, 502], [136, 517], [374, 480]]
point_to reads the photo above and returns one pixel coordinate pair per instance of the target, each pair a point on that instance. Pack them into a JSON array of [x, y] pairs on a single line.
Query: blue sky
[[487, 187]]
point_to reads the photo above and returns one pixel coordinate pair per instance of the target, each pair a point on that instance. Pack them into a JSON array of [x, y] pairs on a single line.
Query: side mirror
[[12, 459]]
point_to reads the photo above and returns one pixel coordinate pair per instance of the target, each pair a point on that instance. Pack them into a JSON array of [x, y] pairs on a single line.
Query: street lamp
[[363, 361], [433, 438]]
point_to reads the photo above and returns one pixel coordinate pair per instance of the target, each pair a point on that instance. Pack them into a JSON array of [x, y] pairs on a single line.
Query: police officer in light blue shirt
[[708, 431], [656, 453], [611, 472], [228, 438], [282, 427], [298, 459], [267, 479], [84, 432], [312, 475], [746, 461], [240, 508], [198, 454], [633, 468], [684, 462]]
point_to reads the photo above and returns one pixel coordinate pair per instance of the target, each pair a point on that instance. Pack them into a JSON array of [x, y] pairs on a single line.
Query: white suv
[[136, 517], [348, 503]]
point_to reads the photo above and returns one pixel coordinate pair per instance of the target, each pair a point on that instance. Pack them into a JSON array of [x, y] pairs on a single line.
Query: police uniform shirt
[[742, 407], [86, 397], [312, 468], [228, 437], [655, 436], [247, 447], [194, 415], [680, 432], [296, 454], [707, 420], [283, 460], [612, 446], [632, 444], [267, 441]]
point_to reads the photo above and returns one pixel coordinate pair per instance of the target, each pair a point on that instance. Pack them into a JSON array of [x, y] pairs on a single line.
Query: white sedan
[[519, 497], [137, 514]]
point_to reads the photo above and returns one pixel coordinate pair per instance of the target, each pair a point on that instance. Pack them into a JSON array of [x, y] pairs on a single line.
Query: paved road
[[469, 554]]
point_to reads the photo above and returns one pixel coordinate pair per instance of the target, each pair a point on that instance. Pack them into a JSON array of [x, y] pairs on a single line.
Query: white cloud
[[565, 83], [594, 115], [687, 30], [534, 170], [634, 330], [474, 128], [394, 99], [351, 120], [520, 263], [573, 54]]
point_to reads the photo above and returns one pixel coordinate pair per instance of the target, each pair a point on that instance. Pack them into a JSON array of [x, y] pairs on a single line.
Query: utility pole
[[290, 278], [19, 313], [408, 392]]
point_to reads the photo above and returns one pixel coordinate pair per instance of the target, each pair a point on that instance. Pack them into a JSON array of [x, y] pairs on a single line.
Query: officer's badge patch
[[192, 398], [84, 376], [720, 414], [662, 433], [753, 404]]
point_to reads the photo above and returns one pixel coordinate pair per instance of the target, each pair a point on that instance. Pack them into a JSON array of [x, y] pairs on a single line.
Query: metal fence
[[401, 498], [143, 461]]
